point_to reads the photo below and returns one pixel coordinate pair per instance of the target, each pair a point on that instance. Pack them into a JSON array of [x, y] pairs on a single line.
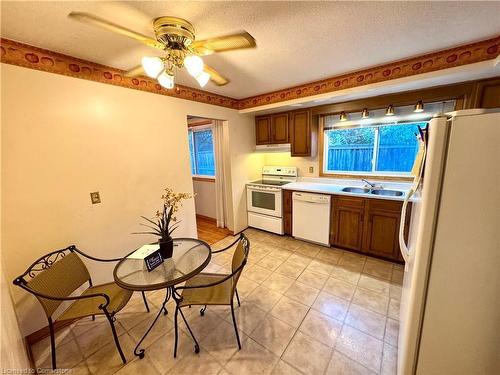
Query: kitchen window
[[201, 149], [377, 144], [377, 149]]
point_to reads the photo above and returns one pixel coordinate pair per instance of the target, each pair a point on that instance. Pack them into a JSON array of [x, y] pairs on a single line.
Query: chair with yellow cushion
[[212, 289], [53, 278]]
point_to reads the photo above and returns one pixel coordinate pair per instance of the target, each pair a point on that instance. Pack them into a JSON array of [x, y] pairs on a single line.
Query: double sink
[[385, 192]]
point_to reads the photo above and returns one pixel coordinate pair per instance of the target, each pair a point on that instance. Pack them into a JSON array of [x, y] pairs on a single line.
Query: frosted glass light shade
[[419, 107], [194, 65], [390, 110], [202, 78], [153, 66], [166, 80]]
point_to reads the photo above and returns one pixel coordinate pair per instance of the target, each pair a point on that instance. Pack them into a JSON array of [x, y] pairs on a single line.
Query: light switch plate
[[95, 197], [311, 169]]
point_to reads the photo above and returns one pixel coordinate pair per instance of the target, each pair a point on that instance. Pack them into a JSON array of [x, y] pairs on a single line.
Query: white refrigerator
[[450, 304]]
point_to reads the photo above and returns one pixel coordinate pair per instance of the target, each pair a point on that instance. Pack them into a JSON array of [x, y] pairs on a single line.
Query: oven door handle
[[264, 189]]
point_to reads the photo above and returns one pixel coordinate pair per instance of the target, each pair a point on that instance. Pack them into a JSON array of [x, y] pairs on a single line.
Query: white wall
[[63, 138], [12, 349], [205, 198], [246, 166], [12, 352], [283, 159]]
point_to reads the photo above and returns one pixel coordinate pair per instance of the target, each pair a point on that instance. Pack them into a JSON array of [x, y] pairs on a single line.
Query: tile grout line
[[309, 308], [344, 323], [267, 314], [347, 311], [350, 302]]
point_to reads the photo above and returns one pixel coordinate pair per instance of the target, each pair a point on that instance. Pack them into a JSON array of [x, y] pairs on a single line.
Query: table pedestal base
[[141, 352]]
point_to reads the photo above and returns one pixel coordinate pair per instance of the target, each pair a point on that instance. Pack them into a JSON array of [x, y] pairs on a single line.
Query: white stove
[[264, 198]]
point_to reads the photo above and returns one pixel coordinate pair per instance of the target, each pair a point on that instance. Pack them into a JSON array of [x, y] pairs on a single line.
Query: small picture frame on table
[[153, 260]]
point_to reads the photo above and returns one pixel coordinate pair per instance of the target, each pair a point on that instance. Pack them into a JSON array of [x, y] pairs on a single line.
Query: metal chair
[[212, 289], [55, 276]]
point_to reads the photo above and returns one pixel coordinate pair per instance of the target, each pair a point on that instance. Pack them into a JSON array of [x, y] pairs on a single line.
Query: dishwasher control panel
[[309, 197]]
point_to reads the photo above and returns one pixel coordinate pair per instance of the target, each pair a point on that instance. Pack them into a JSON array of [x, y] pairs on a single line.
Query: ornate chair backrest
[[240, 258], [56, 274]]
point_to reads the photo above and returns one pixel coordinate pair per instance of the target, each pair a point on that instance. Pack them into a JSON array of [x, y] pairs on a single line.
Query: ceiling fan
[[176, 37]]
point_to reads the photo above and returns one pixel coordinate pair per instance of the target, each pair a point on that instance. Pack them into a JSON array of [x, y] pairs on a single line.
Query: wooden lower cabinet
[[287, 211], [382, 233], [347, 216], [367, 225]]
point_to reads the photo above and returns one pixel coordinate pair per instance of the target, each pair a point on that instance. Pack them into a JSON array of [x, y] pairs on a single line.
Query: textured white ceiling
[[297, 42]]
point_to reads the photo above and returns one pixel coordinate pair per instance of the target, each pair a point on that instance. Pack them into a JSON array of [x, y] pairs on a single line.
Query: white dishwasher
[[311, 217]]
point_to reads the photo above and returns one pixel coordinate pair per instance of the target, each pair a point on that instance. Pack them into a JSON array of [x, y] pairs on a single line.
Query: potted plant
[[166, 221]]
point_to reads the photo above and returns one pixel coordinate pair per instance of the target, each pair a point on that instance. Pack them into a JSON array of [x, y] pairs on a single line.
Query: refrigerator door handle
[[402, 244], [417, 170]]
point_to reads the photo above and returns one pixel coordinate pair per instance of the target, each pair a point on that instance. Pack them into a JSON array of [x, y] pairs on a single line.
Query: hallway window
[[201, 149]]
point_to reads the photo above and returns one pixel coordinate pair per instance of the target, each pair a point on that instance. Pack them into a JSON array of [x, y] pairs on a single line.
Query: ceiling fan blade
[[215, 76], [224, 43], [135, 72], [97, 21]]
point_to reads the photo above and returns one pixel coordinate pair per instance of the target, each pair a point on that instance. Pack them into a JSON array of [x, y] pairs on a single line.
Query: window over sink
[[384, 148], [377, 145]]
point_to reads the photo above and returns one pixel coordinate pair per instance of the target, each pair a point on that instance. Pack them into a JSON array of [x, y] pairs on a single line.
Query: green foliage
[[353, 136], [351, 149], [399, 134]]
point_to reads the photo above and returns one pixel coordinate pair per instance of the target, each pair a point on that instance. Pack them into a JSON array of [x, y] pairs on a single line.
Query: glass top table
[[190, 256]]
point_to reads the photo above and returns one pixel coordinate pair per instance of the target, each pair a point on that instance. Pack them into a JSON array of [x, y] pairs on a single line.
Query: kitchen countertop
[[336, 189]]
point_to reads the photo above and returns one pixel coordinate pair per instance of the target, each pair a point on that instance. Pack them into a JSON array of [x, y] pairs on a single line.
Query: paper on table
[[143, 251]]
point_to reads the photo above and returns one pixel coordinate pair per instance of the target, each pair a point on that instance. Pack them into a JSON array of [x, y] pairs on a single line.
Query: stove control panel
[[280, 171]]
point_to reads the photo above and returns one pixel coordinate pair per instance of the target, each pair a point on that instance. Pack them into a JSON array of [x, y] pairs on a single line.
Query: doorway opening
[[207, 169]]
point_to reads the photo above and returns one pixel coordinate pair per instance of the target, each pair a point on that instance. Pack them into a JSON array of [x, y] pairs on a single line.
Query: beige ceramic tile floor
[[305, 309]]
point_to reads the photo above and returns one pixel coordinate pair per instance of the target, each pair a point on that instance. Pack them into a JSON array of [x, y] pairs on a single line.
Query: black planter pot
[[166, 248]]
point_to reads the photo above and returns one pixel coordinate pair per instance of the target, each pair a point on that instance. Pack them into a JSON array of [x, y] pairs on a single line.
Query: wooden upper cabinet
[[488, 94], [347, 222], [273, 129], [300, 133], [279, 128], [263, 130], [290, 127]]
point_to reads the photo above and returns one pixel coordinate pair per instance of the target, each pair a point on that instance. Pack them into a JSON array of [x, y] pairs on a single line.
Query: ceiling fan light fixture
[[194, 65], [166, 80], [153, 66], [176, 38], [202, 78]]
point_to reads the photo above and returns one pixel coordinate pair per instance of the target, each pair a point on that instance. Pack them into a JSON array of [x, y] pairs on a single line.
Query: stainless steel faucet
[[369, 183], [373, 185]]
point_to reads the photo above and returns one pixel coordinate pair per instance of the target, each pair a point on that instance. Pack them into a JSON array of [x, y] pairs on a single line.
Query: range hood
[[283, 147]]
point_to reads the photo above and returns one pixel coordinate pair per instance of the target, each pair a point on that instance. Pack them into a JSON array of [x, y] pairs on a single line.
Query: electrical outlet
[[95, 197], [311, 169]]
